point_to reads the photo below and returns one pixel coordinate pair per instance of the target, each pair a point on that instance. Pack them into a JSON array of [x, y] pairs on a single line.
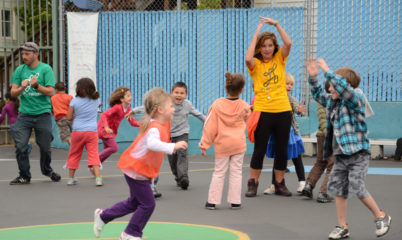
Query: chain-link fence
[[141, 44], [141, 49]]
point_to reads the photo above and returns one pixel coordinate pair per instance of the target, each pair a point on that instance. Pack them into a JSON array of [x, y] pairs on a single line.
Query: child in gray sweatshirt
[[179, 131]]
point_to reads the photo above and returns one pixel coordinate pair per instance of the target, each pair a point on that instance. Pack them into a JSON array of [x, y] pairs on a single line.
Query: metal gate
[[22, 21]]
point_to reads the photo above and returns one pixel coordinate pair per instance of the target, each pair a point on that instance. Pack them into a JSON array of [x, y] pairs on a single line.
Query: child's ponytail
[[234, 83]]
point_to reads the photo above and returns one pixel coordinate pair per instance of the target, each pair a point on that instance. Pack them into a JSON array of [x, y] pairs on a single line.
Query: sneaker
[[125, 236], [252, 188], [300, 189], [324, 198], [270, 190], [184, 183], [20, 181], [98, 222], [308, 190], [235, 206], [72, 181], [98, 181], [54, 176], [209, 206], [382, 225], [339, 233], [156, 193], [281, 189]]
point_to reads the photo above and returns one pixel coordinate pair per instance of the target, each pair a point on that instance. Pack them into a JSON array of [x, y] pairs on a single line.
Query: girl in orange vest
[[140, 163]]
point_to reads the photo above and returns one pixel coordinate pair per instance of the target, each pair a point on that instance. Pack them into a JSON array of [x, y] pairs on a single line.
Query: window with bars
[[5, 23]]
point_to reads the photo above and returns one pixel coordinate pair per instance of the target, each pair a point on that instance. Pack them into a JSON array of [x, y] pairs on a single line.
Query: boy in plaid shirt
[[347, 140]]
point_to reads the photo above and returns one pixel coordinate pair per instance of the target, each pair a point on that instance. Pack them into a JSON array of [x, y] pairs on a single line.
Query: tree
[[34, 14]]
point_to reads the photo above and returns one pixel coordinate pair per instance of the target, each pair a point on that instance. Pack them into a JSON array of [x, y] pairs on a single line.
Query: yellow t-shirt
[[270, 85]]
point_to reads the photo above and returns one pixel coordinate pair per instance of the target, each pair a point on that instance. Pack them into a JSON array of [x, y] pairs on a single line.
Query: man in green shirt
[[33, 81]]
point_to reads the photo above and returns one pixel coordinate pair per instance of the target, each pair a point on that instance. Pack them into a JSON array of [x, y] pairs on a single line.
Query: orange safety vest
[[149, 164]]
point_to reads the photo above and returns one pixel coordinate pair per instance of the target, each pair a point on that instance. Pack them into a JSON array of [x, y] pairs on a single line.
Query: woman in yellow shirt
[[266, 63]]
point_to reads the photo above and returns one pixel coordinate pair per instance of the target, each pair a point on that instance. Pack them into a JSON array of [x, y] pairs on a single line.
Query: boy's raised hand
[[312, 67], [323, 65]]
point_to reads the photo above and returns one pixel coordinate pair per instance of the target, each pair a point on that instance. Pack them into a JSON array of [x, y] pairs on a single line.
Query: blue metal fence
[[366, 36], [141, 50]]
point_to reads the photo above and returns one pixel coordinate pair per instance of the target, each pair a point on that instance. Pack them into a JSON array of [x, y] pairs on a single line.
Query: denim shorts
[[348, 175]]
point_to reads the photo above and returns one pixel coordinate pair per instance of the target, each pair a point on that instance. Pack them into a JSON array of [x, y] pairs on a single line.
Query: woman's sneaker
[[98, 222], [281, 189], [270, 190], [339, 233], [382, 225], [125, 236], [71, 181]]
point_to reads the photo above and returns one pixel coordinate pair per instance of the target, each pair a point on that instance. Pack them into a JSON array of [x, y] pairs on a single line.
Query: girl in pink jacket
[[109, 121], [225, 127]]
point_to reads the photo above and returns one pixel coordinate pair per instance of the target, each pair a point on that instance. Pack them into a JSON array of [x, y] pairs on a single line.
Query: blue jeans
[[21, 132]]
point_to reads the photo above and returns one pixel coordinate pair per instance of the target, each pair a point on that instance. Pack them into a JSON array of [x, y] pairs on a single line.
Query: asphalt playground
[[44, 210]]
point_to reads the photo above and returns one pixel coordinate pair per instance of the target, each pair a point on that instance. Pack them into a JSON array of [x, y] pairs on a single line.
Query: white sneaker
[[270, 190], [98, 181], [125, 236], [382, 225], [98, 223], [300, 188], [72, 181]]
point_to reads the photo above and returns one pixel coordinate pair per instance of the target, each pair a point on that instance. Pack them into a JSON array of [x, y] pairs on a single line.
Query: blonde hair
[[290, 78], [153, 99]]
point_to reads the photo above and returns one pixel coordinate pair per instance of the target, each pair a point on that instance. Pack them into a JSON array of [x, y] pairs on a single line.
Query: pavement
[[44, 203]]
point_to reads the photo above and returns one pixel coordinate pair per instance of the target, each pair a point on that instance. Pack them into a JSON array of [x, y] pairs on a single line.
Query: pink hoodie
[[225, 127]]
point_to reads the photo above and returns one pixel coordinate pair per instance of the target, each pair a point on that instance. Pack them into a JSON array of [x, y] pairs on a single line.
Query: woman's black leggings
[[277, 124]]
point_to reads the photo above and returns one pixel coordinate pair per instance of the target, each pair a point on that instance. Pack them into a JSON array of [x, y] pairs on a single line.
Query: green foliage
[[33, 19], [209, 4]]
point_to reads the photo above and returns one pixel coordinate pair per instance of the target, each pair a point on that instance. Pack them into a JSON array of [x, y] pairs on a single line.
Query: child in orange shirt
[[230, 114], [60, 103], [140, 163]]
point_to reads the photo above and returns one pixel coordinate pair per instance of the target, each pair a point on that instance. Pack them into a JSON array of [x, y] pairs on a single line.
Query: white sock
[[302, 183]]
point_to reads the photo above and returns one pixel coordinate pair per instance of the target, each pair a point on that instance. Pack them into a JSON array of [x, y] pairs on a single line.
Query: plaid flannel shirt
[[349, 128]]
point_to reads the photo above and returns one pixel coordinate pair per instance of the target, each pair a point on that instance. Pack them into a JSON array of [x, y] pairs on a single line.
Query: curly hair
[[117, 95]]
